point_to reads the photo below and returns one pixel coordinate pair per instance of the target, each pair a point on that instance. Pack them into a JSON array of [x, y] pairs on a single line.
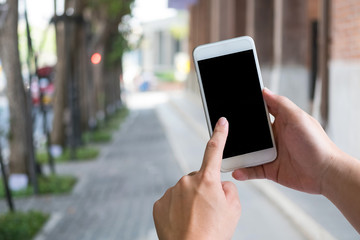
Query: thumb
[[231, 195], [278, 104], [230, 190]]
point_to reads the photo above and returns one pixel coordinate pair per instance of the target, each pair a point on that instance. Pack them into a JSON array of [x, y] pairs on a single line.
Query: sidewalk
[[114, 196], [162, 139], [312, 215]]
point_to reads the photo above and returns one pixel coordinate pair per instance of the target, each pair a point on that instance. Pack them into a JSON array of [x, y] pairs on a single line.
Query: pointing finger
[[215, 147]]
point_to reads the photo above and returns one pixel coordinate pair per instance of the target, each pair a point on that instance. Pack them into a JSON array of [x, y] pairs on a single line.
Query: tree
[[106, 17], [58, 129], [95, 31], [9, 53], [68, 41]]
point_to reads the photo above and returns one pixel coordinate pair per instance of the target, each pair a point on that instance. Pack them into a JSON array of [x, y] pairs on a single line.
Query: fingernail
[[239, 176], [268, 91], [222, 121]]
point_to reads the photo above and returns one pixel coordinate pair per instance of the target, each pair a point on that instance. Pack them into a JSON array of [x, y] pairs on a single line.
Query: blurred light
[[70, 11], [180, 4], [96, 58], [147, 11]]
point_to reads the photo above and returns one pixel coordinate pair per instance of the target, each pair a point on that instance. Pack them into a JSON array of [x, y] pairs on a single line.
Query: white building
[[162, 41]]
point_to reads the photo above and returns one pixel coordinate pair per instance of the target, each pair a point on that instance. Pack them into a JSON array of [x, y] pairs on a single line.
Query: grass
[[166, 76], [97, 136], [20, 225], [82, 153], [53, 184], [103, 133], [114, 121]]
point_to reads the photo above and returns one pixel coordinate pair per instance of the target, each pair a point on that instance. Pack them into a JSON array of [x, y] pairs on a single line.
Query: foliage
[[53, 184], [166, 76], [20, 225], [104, 130], [179, 31], [28, 191], [56, 184], [97, 136], [43, 40], [101, 134], [118, 46], [113, 8], [112, 12], [82, 153], [113, 122]]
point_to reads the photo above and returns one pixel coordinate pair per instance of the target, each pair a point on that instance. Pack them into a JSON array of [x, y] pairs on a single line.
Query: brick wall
[[313, 9], [345, 29]]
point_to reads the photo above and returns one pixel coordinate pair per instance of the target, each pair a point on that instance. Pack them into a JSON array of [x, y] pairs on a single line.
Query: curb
[[49, 226]]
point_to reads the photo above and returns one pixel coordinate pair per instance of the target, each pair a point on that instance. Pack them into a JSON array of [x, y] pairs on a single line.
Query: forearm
[[341, 185]]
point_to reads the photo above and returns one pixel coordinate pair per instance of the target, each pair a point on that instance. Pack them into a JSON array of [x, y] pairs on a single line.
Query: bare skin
[[200, 206], [308, 160]]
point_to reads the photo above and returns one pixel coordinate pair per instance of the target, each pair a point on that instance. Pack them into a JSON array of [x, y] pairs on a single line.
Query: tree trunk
[[58, 133], [117, 97], [66, 44], [84, 80], [114, 94], [9, 54]]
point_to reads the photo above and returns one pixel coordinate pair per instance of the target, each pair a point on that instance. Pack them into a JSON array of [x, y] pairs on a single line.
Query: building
[[308, 51], [164, 42]]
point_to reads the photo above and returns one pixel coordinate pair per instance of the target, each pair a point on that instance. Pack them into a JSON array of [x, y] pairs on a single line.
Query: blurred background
[[100, 109]]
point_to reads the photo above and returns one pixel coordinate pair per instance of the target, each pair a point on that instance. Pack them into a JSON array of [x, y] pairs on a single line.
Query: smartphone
[[231, 86]]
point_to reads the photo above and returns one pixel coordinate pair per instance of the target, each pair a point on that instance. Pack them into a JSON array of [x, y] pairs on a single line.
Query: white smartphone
[[231, 86]]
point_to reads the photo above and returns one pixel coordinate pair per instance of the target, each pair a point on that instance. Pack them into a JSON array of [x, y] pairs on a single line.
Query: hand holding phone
[[200, 206], [231, 86]]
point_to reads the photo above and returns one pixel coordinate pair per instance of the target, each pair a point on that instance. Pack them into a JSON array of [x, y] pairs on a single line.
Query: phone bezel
[[222, 48]]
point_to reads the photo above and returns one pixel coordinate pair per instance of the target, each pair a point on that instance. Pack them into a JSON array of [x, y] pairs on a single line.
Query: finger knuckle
[[207, 177], [167, 194], [212, 144], [156, 207], [184, 181]]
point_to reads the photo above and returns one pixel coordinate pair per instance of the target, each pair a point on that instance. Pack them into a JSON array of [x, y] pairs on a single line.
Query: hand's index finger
[[215, 147]]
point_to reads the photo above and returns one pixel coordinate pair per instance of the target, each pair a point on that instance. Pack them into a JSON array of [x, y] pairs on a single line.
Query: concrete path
[[115, 193]]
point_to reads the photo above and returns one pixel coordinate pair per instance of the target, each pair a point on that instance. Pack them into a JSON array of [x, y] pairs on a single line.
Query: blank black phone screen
[[232, 90]]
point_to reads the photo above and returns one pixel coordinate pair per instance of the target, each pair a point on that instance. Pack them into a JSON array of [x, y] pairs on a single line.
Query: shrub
[[52, 184], [20, 225]]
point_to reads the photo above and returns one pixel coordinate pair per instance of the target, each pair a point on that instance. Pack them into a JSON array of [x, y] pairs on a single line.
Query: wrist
[[335, 175]]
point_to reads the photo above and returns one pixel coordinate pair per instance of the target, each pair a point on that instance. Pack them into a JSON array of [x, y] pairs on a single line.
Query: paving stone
[[116, 192]]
